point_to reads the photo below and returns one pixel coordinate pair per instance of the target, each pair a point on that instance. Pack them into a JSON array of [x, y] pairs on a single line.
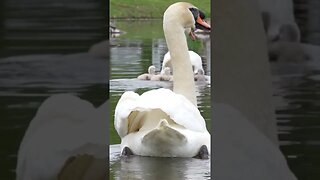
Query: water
[[307, 16], [43, 52], [296, 93], [131, 55], [138, 167], [27, 81]]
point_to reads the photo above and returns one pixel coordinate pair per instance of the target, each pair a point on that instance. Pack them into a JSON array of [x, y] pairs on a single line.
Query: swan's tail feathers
[[164, 137]]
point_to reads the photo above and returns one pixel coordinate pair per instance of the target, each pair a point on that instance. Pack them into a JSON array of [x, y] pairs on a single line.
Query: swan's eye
[[201, 14], [198, 17], [195, 13]]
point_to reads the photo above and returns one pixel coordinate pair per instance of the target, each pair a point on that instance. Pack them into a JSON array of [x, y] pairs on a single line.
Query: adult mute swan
[[195, 59], [148, 76], [162, 122]]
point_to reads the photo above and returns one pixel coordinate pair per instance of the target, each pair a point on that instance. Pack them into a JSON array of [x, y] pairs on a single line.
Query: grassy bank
[[148, 8]]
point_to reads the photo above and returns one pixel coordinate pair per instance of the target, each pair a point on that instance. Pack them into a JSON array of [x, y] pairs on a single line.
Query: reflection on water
[[23, 89], [137, 167], [298, 117], [131, 55], [47, 26]]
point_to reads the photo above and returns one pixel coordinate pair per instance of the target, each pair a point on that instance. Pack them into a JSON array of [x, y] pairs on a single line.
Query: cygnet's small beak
[[192, 35]]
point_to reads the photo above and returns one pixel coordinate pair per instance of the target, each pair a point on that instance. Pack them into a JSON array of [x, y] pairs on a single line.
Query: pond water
[[297, 100], [131, 55], [138, 167], [44, 52]]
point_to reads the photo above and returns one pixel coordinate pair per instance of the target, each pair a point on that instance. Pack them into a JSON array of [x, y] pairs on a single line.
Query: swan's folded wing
[[179, 108], [195, 60]]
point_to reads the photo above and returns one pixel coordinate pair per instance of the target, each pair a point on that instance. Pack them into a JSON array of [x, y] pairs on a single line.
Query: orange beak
[[203, 23]]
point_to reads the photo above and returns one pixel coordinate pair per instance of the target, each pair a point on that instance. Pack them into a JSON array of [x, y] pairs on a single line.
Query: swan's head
[[185, 15], [199, 19], [152, 70]]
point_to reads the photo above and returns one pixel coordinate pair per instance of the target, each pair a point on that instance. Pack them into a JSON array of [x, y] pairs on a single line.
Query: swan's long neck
[[183, 80]]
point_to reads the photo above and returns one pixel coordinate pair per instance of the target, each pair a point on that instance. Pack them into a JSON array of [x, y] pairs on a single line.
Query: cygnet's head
[[289, 32], [167, 71], [196, 69], [200, 72], [152, 70]]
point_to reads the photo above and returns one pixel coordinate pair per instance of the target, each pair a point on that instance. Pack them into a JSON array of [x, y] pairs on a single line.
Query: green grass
[[149, 8], [140, 29]]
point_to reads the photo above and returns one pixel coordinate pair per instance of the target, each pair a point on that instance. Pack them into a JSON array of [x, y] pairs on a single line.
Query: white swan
[[148, 76], [60, 132], [162, 122], [195, 59]]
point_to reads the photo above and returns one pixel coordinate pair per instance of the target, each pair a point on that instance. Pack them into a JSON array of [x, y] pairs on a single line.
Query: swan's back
[[166, 62], [195, 59], [175, 105]]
